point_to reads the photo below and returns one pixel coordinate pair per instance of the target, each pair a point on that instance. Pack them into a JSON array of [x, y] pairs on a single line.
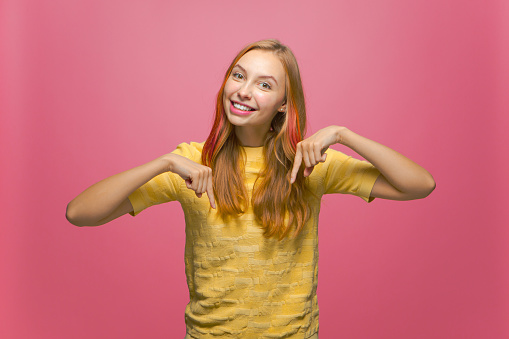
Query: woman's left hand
[[312, 150]]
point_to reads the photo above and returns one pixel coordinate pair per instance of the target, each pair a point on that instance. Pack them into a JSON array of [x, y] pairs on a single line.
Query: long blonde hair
[[273, 196]]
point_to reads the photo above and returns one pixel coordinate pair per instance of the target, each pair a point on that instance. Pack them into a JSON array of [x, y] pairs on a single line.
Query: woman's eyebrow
[[261, 76]]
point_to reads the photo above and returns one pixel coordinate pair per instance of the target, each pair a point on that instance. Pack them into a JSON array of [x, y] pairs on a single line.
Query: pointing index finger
[[296, 165], [210, 193]]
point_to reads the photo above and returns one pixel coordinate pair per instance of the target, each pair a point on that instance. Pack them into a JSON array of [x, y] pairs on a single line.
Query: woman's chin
[[236, 120]]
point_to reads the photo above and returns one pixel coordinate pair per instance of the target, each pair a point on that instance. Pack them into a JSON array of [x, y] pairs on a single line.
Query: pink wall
[[92, 88]]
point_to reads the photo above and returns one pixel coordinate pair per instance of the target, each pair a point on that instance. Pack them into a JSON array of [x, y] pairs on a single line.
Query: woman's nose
[[244, 92]]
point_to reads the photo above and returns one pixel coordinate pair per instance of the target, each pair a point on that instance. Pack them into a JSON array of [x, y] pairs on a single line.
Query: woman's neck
[[251, 136]]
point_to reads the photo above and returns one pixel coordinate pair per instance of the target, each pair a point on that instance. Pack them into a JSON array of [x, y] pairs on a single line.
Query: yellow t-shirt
[[241, 284]]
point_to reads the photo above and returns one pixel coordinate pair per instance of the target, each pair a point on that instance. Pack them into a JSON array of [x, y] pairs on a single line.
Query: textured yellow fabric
[[242, 285]]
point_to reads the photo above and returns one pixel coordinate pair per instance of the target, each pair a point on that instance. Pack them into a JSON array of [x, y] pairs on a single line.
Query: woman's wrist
[[342, 135], [166, 162]]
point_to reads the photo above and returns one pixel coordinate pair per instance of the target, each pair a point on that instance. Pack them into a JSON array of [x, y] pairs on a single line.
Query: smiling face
[[253, 95]]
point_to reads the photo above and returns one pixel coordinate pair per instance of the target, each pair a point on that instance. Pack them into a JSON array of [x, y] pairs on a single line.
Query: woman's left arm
[[400, 178]]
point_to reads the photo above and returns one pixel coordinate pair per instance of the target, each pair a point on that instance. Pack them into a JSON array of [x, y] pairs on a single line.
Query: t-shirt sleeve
[[160, 189], [164, 187], [348, 175]]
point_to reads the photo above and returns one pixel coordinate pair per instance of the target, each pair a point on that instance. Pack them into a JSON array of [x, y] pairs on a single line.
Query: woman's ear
[[282, 109]]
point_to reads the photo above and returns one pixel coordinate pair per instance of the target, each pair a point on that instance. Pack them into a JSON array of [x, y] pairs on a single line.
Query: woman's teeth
[[242, 107]]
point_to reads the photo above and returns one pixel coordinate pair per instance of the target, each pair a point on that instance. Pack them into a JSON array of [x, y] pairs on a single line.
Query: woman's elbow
[[427, 187], [70, 215], [73, 215]]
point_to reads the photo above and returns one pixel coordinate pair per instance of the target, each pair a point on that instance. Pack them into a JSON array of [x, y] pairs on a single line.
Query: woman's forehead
[[259, 62]]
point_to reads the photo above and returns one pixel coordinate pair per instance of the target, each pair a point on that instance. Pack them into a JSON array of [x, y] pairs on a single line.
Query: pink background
[[92, 88]]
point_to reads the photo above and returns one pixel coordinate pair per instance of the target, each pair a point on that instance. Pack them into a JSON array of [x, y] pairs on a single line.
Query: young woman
[[251, 250]]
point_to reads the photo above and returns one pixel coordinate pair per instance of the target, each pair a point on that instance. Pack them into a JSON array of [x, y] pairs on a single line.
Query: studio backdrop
[[92, 88]]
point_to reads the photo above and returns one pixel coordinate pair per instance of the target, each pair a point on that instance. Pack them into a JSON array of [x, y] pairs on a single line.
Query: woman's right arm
[[108, 199]]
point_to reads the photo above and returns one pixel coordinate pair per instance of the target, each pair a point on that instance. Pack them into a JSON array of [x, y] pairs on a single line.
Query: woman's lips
[[238, 111]]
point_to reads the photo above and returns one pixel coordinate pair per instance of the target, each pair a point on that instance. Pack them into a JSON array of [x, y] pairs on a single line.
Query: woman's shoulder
[[335, 159], [192, 146], [191, 150], [332, 157]]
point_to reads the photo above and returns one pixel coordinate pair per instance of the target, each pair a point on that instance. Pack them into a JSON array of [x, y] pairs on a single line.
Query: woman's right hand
[[197, 177]]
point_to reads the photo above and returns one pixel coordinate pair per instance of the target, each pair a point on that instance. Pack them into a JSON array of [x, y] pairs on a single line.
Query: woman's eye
[[266, 85], [238, 75]]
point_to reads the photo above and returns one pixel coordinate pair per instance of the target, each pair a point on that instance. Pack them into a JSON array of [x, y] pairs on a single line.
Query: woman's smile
[[240, 109]]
